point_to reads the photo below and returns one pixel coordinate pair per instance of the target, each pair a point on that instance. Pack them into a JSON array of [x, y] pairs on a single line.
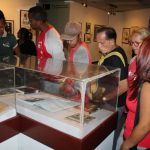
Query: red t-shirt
[[131, 105], [50, 45], [80, 53]]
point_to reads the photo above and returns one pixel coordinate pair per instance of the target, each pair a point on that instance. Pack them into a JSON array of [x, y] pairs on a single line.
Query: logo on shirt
[[131, 74], [39, 44], [6, 44]]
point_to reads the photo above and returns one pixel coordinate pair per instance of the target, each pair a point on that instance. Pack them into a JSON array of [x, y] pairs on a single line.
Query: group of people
[[134, 85], [10, 47]]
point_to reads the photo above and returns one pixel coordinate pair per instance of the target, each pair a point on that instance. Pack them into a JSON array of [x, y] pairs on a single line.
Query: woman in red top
[[139, 134]]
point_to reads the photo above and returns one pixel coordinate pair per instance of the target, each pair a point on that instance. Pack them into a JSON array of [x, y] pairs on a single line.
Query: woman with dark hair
[[26, 45], [8, 43], [140, 132]]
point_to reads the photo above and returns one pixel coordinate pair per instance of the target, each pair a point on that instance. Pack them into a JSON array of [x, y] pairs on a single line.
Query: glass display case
[[7, 92], [69, 97]]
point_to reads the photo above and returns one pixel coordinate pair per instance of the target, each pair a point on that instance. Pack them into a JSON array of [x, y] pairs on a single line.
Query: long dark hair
[[25, 34], [143, 67], [2, 17]]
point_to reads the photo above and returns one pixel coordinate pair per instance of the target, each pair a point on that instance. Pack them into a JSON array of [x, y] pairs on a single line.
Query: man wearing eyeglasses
[[114, 56]]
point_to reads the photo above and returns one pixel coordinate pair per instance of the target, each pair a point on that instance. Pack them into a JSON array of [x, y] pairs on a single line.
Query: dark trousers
[[120, 124]]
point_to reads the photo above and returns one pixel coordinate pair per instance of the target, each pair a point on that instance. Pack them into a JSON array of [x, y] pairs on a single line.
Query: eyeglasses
[[135, 43]]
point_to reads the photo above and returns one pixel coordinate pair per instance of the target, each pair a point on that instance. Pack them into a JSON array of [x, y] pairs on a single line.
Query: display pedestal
[[58, 140], [54, 138], [9, 128]]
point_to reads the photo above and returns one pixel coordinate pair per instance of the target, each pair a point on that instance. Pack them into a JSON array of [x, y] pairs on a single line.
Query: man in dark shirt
[[114, 56], [8, 43]]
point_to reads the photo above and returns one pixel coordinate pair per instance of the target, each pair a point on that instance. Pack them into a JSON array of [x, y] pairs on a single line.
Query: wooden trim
[[54, 138], [9, 128], [60, 141]]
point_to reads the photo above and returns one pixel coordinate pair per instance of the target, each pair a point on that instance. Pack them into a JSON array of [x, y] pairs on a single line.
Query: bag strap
[[112, 54]]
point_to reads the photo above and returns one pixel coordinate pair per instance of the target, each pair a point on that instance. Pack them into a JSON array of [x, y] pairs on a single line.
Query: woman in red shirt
[[131, 134]]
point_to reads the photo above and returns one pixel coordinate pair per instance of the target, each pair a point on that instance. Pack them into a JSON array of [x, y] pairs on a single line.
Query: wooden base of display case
[[59, 140], [54, 138], [9, 128]]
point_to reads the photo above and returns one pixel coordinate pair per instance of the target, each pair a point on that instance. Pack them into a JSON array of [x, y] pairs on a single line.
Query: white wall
[[129, 19], [92, 15], [11, 10], [58, 13], [59, 17], [118, 22]]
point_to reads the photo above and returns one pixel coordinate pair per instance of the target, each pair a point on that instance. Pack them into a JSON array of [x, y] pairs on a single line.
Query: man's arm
[[123, 86], [54, 45], [17, 50]]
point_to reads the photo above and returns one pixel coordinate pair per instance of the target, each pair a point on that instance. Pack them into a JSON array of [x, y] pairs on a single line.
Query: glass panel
[[67, 96], [7, 92]]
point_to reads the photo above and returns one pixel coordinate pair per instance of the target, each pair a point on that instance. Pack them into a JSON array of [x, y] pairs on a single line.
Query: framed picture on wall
[[96, 27], [9, 26], [24, 20], [125, 35], [81, 29], [88, 28], [87, 37], [149, 23]]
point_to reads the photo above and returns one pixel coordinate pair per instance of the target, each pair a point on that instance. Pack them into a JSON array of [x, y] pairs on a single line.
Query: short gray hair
[[143, 32]]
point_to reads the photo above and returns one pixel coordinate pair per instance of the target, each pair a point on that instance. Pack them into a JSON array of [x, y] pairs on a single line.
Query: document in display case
[[7, 92], [69, 97]]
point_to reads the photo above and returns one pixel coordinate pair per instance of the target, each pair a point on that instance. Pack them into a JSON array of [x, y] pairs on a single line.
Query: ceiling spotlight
[[108, 13], [84, 4], [111, 10]]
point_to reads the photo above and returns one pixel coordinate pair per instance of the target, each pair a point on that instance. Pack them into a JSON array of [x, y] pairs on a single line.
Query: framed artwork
[[125, 35], [95, 31], [9, 26], [24, 20], [149, 23], [88, 28], [87, 37], [81, 29]]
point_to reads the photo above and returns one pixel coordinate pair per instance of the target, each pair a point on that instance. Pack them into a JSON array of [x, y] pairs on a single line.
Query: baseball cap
[[72, 29]]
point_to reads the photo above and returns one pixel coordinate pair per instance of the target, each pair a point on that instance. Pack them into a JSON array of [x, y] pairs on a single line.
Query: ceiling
[[120, 5]]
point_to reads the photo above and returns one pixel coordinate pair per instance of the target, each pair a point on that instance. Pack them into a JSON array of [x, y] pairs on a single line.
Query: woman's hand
[[124, 146]]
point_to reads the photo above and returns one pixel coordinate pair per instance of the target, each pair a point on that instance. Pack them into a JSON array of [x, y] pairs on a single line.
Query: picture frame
[[88, 27], [81, 35], [149, 23], [87, 37], [96, 27], [125, 35], [9, 26], [24, 20]]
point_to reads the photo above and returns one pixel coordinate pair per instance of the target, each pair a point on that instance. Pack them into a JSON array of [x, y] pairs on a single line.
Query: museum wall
[[88, 15], [11, 9], [139, 18], [59, 14], [121, 20]]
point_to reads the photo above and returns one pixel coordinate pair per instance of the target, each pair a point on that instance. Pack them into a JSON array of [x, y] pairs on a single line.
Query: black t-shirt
[[28, 48], [115, 61]]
